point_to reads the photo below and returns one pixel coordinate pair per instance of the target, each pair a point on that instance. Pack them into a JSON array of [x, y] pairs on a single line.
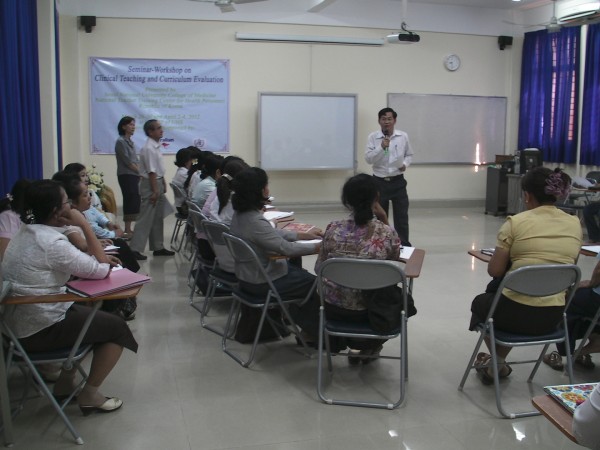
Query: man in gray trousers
[[149, 224]]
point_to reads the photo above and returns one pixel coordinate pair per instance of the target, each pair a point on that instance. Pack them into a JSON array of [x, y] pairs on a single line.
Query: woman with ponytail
[[365, 234], [220, 208]]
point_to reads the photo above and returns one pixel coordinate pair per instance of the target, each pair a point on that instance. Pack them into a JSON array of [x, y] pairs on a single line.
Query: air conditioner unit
[[577, 11]]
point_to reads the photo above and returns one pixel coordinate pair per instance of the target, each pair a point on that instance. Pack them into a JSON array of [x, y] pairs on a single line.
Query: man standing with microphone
[[389, 152]]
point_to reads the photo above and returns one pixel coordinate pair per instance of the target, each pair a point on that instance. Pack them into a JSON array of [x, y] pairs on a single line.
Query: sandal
[[487, 378], [554, 360], [585, 361]]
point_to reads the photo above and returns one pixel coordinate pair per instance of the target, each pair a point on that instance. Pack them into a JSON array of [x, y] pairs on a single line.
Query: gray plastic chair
[[180, 220], [198, 262], [535, 281], [242, 251], [364, 274], [68, 357], [223, 272]]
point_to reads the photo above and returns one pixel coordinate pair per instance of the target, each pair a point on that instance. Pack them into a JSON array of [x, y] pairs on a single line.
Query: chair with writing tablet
[[363, 274], [67, 357], [534, 281], [242, 252]]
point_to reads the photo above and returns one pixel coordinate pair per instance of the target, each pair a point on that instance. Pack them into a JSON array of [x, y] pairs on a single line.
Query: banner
[[189, 97]]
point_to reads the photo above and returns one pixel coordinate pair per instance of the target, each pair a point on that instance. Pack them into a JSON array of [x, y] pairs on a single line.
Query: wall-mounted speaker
[[87, 22], [504, 41]]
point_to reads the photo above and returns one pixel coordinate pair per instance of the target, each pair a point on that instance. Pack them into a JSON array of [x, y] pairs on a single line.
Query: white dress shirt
[[388, 162]]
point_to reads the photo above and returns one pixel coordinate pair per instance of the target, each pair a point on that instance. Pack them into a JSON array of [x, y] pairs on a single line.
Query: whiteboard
[[307, 131], [446, 129]]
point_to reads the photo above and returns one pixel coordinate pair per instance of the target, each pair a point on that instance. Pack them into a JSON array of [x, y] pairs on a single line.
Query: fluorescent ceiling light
[[259, 37]]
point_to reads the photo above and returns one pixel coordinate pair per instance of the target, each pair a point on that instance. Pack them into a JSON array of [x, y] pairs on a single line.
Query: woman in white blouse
[[39, 260]]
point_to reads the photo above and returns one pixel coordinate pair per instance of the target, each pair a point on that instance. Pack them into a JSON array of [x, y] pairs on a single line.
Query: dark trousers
[[585, 304], [296, 284], [591, 214], [395, 191]]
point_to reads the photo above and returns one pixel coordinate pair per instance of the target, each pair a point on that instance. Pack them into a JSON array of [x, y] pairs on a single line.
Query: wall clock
[[452, 62]]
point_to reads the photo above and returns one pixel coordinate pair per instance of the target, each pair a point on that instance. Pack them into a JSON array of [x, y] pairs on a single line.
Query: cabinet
[[515, 195], [496, 192]]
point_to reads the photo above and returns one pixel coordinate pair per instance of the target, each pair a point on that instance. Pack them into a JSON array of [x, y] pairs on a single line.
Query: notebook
[[591, 248], [117, 280], [570, 396], [488, 251]]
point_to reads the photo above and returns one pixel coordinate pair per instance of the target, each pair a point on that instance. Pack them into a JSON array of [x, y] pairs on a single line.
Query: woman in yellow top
[[541, 235]]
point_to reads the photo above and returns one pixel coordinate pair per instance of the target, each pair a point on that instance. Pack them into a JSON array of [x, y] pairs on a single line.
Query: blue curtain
[[20, 123], [549, 86], [590, 122]]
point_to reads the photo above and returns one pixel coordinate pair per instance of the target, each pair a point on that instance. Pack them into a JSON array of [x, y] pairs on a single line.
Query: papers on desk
[[591, 248], [488, 251], [277, 215], [570, 396], [118, 280], [406, 252], [298, 227]]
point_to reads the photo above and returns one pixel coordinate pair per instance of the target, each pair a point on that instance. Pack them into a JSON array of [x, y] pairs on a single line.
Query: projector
[[403, 38]]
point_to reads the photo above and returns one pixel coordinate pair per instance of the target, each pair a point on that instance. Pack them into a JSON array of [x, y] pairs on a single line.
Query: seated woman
[[39, 260], [80, 170], [251, 192], [10, 213], [80, 199], [183, 161], [365, 234], [541, 235], [211, 171], [195, 171], [218, 206]]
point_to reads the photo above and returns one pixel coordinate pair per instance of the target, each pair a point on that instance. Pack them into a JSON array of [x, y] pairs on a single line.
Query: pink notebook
[[117, 280]]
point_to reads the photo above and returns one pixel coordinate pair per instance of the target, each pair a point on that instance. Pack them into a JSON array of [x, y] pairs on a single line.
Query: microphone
[[385, 136]]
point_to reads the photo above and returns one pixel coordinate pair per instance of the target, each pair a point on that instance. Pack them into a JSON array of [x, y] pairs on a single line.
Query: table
[[555, 413], [55, 298], [486, 258]]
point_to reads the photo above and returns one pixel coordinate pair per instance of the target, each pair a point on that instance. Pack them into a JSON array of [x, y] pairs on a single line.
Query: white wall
[[369, 72]]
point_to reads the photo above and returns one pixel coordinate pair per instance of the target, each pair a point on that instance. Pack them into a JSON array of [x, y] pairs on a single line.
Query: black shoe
[[127, 316], [139, 256], [163, 252]]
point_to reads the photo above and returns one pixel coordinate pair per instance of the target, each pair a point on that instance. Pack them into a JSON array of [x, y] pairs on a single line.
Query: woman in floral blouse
[[364, 234]]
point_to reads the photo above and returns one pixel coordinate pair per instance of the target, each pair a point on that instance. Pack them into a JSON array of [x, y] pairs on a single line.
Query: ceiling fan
[[227, 5], [552, 26]]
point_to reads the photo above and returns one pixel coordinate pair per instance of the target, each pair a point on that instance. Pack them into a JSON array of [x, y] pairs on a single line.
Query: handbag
[[384, 307]]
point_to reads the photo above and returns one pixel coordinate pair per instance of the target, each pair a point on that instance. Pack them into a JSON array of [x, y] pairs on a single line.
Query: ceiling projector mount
[[403, 37]]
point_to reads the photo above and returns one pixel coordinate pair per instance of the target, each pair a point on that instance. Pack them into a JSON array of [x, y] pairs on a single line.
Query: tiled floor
[[182, 392]]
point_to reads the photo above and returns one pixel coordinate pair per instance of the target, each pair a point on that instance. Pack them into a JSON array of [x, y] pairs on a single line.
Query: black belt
[[389, 178]]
